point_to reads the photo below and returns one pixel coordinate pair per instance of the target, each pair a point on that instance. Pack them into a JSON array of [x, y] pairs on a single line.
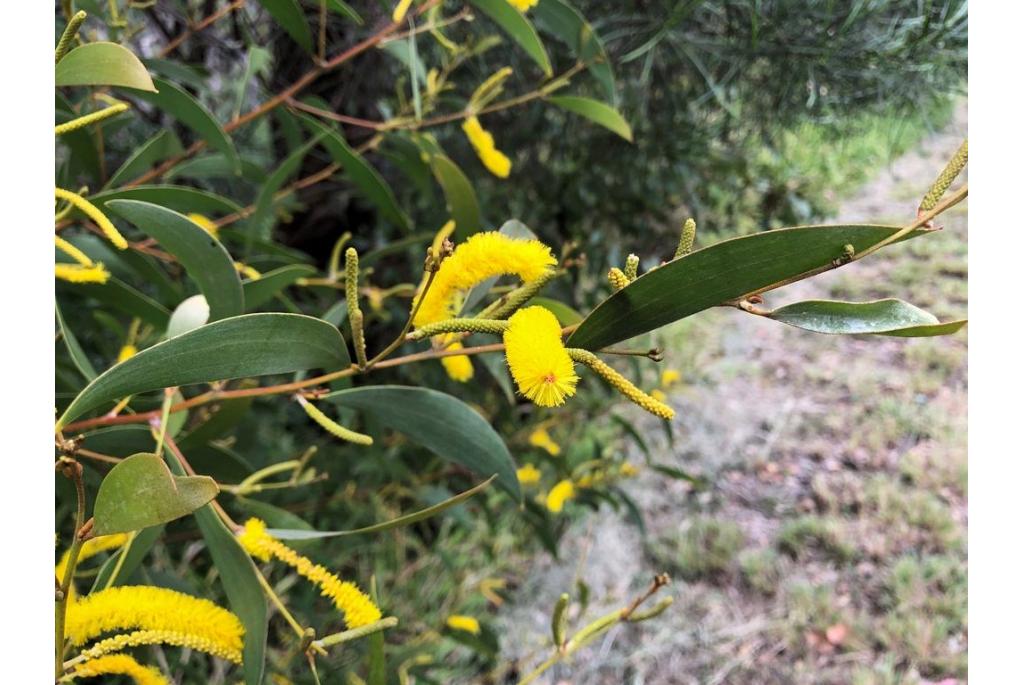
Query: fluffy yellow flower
[[528, 475], [120, 664], [357, 608], [483, 142], [72, 251], [537, 358], [205, 223], [670, 377], [459, 367], [400, 9], [91, 548], [76, 273], [247, 271], [93, 212], [127, 352], [559, 495], [198, 622], [465, 623], [542, 439], [523, 5], [483, 256]]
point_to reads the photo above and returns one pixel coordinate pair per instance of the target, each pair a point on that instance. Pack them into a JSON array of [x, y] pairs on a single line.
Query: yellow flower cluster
[[93, 212], [127, 352], [400, 9], [528, 475], [164, 637], [91, 548], [466, 624], [120, 664], [542, 439], [563, 491], [483, 142], [206, 224], [483, 256], [83, 271], [198, 622], [458, 366], [537, 358], [357, 608], [523, 5]]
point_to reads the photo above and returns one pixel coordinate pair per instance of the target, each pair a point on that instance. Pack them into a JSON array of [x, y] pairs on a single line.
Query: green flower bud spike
[[632, 265], [560, 620], [507, 305], [686, 238], [68, 37], [945, 180], [355, 315], [331, 426], [620, 383], [492, 326]]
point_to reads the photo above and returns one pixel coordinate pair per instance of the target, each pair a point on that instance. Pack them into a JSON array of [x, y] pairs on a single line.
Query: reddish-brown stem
[[192, 30]]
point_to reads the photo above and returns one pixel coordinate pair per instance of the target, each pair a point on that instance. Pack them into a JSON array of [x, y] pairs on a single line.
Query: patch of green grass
[[815, 534], [814, 608], [838, 493], [761, 569], [704, 551], [926, 620], [912, 518], [934, 466]]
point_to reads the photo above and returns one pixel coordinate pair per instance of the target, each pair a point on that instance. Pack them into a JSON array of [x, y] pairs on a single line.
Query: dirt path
[[830, 546]]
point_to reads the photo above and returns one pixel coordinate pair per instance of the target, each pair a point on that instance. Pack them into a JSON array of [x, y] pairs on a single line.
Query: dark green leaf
[[518, 27], [78, 356], [359, 171], [192, 113], [344, 9], [248, 345], [140, 492], [596, 111], [264, 288], [125, 298], [179, 198], [719, 273], [155, 150], [134, 552], [307, 533], [564, 21], [292, 19], [102, 64], [458, 195], [566, 315], [880, 317], [202, 255], [443, 424]]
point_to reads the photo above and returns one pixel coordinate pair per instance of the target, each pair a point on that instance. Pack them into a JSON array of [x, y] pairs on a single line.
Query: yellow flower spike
[[482, 256], [205, 223], [120, 664], [93, 212], [617, 278], [76, 273], [559, 495], [400, 10], [356, 607], [528, 475], [459, 366], [467, 624], [88, 119], [670, 377], [126, 353], [332, 426], [537, 358], [138, 638], [523, 5], [91, 548], [157, 609], [72, 251], [483, 142], [247, 271], [658, 395], [542, 439], [622, 384]]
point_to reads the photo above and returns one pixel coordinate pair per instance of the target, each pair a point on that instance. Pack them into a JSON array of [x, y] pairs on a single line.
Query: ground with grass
[[829, 545]]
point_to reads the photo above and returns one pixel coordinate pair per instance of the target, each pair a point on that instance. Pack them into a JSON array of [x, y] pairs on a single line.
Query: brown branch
[[192, 30]]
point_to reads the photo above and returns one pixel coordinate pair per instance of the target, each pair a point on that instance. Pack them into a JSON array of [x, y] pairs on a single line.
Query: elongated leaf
[[123, 297], [155, 150], [241, 584], [140, 492], [216, 165], [102, 64], [202, 255], [880, 317], [75, 351], [458, 195], [518, 27], [445, 425], [192, 113], [179, 198], [303, 534], [596, 111], [116, 572], [292, 19], [248, 345], [566, 315], [564, 21], [264, 288], [360, 172], [344, 9], [724, 271]]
